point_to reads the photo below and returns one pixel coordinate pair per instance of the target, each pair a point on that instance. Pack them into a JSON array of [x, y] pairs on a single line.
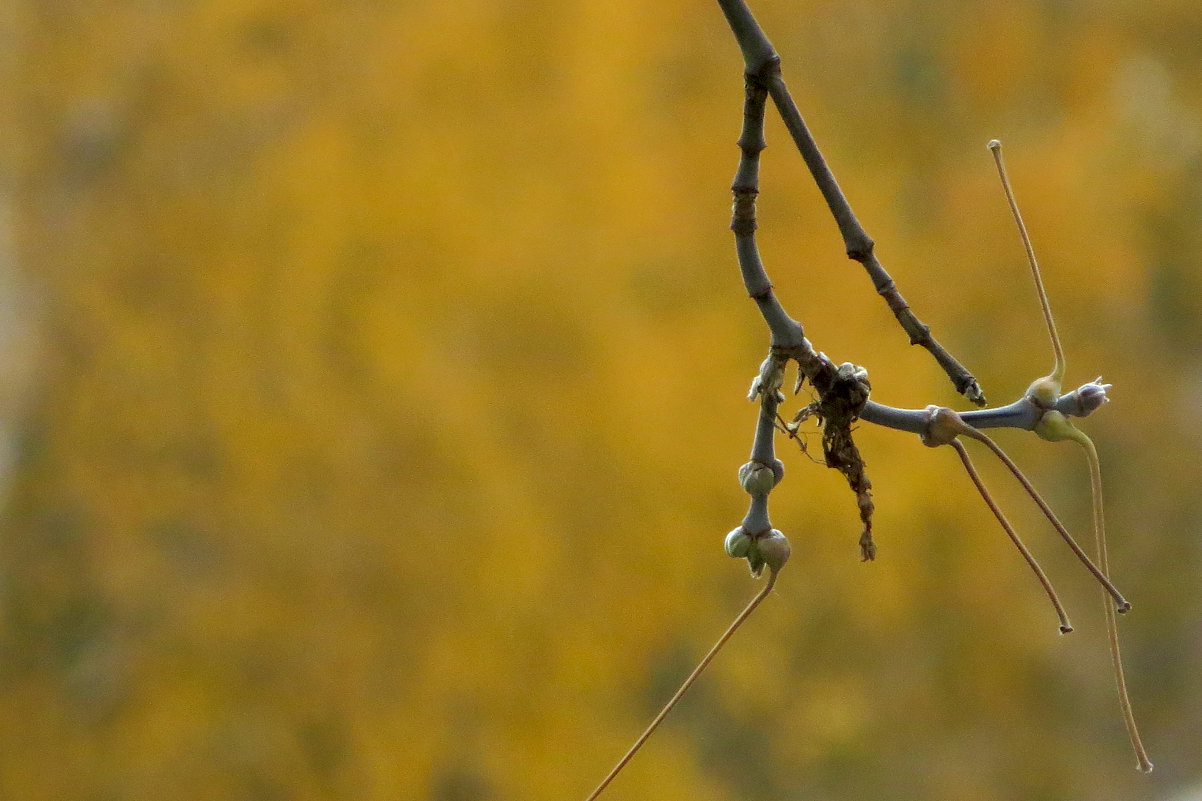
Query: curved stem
[[688, 682], [1059, 365], [1143, 763]]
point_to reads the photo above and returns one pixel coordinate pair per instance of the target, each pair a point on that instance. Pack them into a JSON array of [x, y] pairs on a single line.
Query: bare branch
[[763, 68], [1024, 413], [786, 332]]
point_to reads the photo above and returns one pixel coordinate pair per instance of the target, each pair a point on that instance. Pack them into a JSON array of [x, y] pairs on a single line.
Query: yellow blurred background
[[372, 387]]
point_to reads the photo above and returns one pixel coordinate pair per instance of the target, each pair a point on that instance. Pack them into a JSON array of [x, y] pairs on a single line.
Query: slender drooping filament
[[1098, 572], [1065, 626], [1143, 763], [688, 682]]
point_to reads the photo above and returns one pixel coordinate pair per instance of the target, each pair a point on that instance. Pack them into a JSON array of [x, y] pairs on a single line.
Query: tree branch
[[763, 69], [1023, 413], [843, 390]]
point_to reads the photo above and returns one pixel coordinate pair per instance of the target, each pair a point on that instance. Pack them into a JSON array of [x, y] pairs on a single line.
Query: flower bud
[[757, 478], [738, 543], [1092, 395], [1044, 392], [1054, 427], [774, 550]]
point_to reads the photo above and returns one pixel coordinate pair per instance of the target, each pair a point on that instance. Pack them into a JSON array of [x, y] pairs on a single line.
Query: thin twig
[[1023, 413], [1053, 425], [688, 682]]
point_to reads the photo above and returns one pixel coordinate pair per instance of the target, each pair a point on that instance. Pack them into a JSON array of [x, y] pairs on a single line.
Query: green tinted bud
[[757, 478], [1044, 392], [1054, 426], [774, 549], [738, 543]]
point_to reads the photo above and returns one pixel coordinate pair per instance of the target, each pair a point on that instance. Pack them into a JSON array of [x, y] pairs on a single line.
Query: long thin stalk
[[1059, 366], [1098, 573], [1065, 626], [1143, 763], [688, 682]]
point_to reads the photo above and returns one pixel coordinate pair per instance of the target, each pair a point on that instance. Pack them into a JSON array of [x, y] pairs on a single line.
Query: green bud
[[1044, 392], [1054, 427], [774, 549], [738, 543], [755, 561], [757, 478]]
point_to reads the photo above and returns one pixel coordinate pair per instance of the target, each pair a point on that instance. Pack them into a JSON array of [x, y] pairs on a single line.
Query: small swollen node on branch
[[757, 478], [943, 426]]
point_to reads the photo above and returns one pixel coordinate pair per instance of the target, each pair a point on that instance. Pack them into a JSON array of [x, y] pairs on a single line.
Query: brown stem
[[1143, 763], [1099, 573], [684, 687], [1065, 626], [1058, 352]]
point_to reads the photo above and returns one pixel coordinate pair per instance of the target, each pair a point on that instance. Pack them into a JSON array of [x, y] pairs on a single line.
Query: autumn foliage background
[[372, 387]]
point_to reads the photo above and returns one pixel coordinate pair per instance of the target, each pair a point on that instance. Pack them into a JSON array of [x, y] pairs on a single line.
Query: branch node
[[859, 248]]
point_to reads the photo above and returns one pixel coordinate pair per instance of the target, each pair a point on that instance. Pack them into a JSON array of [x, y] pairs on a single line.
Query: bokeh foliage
[[374, 384]]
